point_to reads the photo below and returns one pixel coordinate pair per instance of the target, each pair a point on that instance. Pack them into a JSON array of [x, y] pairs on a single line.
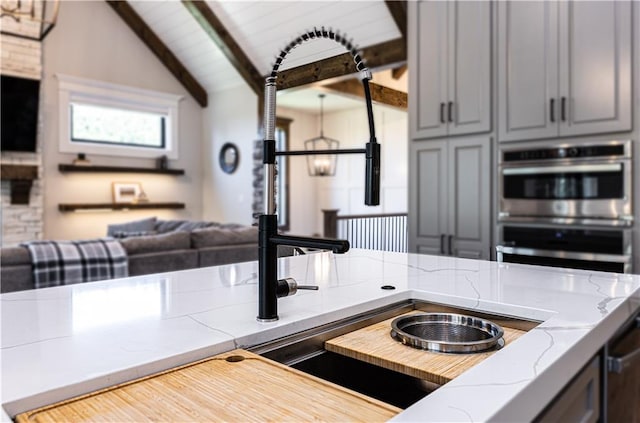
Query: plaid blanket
[[67, 262]]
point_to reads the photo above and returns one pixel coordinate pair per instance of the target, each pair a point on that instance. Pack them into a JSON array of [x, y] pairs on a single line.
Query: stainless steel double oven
[[567, 205]]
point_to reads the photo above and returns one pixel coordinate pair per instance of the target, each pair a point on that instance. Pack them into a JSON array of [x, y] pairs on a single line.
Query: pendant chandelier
[[323, 163], [28, 19]]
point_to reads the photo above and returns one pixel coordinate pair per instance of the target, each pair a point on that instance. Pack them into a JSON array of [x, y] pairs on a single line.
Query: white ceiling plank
[[262, 28]]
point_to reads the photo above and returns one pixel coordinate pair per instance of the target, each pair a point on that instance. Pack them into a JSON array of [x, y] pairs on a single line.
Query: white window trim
[[100, 93]]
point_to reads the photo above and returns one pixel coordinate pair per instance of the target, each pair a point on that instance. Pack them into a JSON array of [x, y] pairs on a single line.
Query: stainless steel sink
[[306, 351], [447, 332]]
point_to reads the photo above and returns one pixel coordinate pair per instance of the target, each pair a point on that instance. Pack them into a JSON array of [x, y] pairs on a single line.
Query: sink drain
[[447, 332]]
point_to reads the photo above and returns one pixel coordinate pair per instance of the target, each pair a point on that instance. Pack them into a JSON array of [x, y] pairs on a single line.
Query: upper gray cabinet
[[450, 59], [564, 68]]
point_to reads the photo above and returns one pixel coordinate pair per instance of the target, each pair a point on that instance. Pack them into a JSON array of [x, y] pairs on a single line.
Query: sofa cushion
[[209, 237], [154, 243], [164, 226], [165, 261], [226, 254], [15, 255], [142, 225]]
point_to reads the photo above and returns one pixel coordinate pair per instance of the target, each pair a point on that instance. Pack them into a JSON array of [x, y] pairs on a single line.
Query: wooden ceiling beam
[[397, 73], [378, 55], [398, 10], [379, 93], [166, 56], [226, 43]]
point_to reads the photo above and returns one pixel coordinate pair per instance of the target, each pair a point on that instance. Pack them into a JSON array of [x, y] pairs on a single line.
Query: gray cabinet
[[564, 68], [449, 208], [450, 59]]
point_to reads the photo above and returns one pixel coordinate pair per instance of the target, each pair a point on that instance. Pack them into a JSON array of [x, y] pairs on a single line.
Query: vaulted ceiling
[[217, 45]]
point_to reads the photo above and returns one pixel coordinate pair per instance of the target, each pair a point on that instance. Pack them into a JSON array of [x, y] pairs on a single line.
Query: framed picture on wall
[[126, 192]]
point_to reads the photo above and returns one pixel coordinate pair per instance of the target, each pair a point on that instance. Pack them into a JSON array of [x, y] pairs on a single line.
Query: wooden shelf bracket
[[21, 178]]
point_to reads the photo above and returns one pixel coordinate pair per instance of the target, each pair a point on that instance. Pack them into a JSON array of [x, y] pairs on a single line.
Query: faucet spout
[[337, 246]]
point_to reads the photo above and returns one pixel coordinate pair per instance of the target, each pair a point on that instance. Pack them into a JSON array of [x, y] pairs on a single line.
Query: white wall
[[345, 191], [303, 202], [91, 41], [231, 117]]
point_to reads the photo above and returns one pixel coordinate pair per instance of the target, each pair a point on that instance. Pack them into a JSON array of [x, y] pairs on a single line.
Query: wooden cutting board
[[236, 386], [374, 344]]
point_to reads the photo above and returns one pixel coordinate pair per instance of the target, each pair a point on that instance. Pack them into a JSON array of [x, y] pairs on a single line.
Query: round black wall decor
[[229, 157]]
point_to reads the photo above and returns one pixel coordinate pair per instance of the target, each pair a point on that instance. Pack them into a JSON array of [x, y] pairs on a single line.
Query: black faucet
[[270, 288]]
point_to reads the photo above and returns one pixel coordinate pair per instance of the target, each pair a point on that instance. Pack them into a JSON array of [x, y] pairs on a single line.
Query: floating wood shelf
[[118, 206], [117, 169], [21, 178]]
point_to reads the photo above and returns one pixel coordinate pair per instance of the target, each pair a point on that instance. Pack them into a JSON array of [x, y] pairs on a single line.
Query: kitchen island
[[62, 342]]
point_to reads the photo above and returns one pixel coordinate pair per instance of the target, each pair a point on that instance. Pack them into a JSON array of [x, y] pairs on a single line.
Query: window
[[282, 174], [104, 118], [116, 126]]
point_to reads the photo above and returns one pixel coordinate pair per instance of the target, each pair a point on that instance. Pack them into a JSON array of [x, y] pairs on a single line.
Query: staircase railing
[[386, 232]]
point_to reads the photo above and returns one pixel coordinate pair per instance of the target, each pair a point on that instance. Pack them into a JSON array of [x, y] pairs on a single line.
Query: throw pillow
[[164, 226], [124, 234], [189, 226], [142, 225]]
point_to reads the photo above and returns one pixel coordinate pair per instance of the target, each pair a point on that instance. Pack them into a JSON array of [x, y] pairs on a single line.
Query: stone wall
[[22, 58]]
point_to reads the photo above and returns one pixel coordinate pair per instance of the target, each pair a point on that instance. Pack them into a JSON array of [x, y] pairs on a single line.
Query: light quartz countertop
[[65, 341]]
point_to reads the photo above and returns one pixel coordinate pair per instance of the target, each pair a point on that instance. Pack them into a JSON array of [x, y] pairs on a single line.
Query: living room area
[[79, 190]]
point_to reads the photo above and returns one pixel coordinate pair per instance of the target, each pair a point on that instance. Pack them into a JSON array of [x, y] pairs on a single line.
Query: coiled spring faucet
[[269, 287]]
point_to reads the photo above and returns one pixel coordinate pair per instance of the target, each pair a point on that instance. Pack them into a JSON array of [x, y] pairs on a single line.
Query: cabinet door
[[595, 66], [428, 62], [469, 168], [527, 70], [469, 67], [428, 197], [579, 401]]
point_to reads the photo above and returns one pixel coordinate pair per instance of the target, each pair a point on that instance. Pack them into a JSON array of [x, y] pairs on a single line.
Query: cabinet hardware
[[442, 106], [563, 109], [442, 244], [450, 245], [450, 111], [552, 108], [619, 364], [532, 252], [573, 168]]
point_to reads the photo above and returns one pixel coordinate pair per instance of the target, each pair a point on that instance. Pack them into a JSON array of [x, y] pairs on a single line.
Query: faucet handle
[[309, 287], [288, 286]]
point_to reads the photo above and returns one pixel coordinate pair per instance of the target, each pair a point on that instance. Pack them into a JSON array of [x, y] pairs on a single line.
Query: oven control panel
[[564, 152]]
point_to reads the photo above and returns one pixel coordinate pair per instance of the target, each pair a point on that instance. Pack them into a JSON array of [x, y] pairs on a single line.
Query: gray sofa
[[181, 249]]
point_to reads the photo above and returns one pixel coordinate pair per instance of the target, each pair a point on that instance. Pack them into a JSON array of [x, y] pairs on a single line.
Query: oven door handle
[[618, 364], [573, 255], [610, 167]]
